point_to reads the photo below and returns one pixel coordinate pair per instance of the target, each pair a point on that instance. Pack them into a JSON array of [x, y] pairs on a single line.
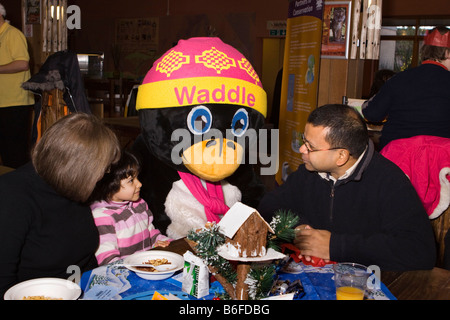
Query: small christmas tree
[[245, 278]]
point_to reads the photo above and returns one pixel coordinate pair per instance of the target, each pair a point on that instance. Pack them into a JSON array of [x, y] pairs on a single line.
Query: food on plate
[[154, 262], [40, 298]]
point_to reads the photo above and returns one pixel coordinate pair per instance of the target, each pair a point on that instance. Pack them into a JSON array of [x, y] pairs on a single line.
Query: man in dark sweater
[[354, 204]]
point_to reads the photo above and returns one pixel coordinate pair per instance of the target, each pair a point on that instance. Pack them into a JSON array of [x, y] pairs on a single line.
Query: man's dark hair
[[347, 128]]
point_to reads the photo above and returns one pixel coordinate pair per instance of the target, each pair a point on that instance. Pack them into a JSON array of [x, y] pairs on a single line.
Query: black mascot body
[[200, 106]]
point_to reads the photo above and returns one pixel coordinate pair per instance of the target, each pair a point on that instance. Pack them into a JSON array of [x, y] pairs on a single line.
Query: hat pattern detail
[[173, 61], [215, 59], [244, 64]]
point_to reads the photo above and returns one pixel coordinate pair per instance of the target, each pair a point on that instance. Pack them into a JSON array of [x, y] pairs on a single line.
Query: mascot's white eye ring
[[239, 124], [199, 120]]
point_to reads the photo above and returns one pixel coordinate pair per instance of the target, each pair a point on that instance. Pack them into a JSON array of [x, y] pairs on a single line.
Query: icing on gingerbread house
[[245, 231]]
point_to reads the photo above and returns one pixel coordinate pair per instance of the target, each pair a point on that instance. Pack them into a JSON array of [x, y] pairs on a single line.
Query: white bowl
[[50, 288], [176, 260]]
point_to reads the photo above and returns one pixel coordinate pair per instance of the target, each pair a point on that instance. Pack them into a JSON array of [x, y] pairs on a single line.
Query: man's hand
[[312, 242]]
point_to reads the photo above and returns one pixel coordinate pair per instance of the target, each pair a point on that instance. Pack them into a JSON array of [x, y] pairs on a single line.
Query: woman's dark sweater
[[41, 232]]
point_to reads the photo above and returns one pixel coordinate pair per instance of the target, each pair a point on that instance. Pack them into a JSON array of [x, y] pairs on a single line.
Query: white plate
[[54, 288], [176, 260]]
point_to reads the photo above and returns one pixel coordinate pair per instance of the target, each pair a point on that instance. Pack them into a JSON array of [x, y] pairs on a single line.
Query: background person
[[16, 104], [354, 204], [46, 224], [416, 101]]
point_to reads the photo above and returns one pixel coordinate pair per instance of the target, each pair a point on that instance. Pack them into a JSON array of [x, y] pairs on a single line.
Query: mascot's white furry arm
[[199, 108], [186, 212]]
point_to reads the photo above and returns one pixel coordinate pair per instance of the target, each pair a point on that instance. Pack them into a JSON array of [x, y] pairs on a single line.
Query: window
[[401, 40]]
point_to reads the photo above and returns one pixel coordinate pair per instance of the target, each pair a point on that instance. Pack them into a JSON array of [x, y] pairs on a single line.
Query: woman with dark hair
[[46, 224], [416, 101]]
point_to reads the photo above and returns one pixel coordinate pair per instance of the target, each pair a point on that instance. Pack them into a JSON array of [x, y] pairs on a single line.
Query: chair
[[441, 226], [426, 162], [53, 107], [130, 106], [105, 93], [109, 93], [59, 91]]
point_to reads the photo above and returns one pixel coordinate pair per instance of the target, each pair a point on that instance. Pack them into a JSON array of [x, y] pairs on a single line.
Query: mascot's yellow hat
[[201, 71]]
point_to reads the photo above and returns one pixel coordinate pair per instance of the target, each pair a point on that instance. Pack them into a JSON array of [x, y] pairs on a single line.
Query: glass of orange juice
[[350, 280]]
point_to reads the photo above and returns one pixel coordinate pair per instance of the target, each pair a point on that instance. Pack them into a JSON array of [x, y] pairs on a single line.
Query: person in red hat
[[416, 101]]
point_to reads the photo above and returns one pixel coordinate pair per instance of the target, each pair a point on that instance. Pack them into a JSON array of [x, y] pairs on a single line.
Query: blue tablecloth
[[118, 283]]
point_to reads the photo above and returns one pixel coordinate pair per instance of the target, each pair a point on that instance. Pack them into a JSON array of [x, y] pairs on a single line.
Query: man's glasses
[[309, 149]]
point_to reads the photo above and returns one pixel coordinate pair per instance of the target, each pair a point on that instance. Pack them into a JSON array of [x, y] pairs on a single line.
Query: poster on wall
[[300, 80], [336, 29], [32, 11], [135, 43]]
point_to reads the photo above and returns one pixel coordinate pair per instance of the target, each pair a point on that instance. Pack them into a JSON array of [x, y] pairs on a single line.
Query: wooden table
[[418, 285]]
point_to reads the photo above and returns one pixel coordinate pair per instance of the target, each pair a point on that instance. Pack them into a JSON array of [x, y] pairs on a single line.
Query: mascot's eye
[[239, 124], [199, 120]]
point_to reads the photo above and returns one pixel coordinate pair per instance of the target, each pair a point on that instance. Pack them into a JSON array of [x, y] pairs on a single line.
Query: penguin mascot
[[199, 106]]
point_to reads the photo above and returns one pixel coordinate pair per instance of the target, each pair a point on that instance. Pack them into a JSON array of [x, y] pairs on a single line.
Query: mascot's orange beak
[[213, 160]]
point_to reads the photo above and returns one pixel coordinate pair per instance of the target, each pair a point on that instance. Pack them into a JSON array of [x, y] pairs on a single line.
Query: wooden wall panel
[[324, 76], [338, 80], [354, 78], [332, 80]]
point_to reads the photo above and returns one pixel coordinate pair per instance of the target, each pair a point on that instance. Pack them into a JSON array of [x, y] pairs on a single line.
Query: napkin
[[295, 252], [107, 282]]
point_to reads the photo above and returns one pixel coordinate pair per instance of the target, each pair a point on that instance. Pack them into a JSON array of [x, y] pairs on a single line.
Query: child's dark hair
[[127, 166]]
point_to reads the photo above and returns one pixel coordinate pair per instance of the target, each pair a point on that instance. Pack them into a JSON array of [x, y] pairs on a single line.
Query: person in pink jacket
[[122, 217]]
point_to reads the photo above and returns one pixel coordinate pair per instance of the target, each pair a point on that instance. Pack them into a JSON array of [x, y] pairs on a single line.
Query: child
[[123, 219]]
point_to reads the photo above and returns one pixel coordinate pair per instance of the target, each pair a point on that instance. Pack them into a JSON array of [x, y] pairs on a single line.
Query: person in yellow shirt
[[16, 104]]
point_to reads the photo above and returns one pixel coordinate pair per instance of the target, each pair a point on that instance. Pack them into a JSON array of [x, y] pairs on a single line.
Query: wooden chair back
[[53, 107], [441, 226]]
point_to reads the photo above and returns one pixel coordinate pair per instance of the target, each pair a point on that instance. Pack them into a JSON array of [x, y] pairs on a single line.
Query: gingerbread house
[[245, 231]]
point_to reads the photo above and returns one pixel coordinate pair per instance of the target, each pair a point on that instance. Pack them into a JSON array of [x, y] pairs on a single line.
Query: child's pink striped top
[[124, 228]]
